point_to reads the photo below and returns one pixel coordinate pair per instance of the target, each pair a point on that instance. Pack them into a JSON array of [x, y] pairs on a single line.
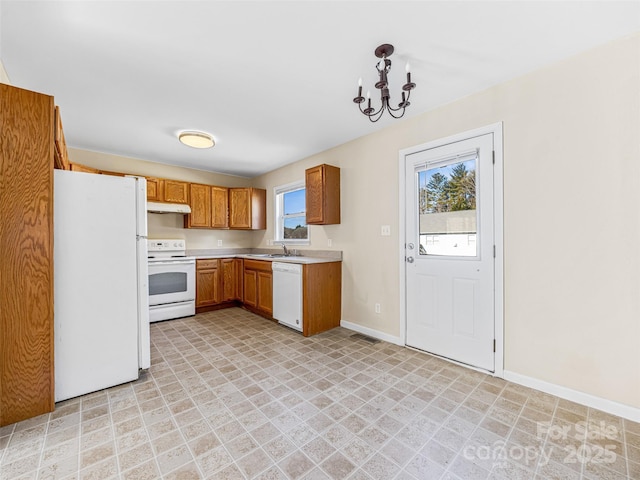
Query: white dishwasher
[[287, 294]]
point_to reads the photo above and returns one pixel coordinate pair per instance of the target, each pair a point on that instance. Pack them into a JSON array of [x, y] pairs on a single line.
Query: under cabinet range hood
[[157, 207]]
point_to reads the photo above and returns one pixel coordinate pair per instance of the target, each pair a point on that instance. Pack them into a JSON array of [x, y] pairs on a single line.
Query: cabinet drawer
[[261, 265], [209, 263]]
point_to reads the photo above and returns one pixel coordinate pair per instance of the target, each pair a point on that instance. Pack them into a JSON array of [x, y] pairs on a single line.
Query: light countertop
[[269, 255]]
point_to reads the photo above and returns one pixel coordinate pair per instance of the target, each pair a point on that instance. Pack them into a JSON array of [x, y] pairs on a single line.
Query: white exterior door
[[449, 251]]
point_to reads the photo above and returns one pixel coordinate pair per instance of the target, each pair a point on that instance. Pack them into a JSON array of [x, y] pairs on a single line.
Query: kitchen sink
[[268, 255]]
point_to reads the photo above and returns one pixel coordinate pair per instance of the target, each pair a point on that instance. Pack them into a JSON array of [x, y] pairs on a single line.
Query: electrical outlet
[[219, 243], [329, 242], [385, 230], [377, 308]]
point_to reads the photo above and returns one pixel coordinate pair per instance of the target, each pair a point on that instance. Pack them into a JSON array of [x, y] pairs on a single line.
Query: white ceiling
[[273, 81]]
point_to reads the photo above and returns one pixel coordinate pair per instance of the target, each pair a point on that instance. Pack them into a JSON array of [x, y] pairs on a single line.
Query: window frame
[[278, 199]]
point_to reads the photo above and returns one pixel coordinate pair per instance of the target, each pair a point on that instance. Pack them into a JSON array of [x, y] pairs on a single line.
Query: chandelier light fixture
[[384, 67]]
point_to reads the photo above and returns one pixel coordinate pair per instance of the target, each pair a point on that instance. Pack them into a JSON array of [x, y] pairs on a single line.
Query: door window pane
[[447, 209]]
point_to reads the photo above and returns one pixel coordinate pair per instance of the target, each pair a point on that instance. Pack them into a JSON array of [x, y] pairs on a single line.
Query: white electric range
[[172, 280]]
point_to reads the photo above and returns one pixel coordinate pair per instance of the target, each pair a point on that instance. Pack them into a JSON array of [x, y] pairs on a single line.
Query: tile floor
[[231, 395]]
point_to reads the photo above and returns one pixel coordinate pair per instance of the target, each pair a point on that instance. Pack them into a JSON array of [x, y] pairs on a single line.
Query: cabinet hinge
[[494, 345], [493, 157], [494, 251]]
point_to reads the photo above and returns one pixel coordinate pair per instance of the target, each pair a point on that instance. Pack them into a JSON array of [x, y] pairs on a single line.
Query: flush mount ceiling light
[[384, 66], [196, 139]]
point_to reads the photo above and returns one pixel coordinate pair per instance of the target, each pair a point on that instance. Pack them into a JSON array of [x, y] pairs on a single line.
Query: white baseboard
[[609, 406], [370, 332]]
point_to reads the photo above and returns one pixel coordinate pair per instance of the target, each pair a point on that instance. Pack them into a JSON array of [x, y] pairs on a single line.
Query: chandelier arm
[[399, 116], [378, 113], [372, 114]]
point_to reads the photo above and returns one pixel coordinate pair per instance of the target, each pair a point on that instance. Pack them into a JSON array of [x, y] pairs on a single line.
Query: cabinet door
[[265, 292], [239, 268], [313, 193], [219, 207], [207, 283], [153, 189], [200, 202], [250, 288], [175, 191], [229, 279], [322, 187], [240, 208]]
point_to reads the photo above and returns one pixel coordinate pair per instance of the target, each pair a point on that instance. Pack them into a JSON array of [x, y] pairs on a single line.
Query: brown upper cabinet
[[153, 189], [208, 207], [322, 192], [165, 190], [247, 208], [219, 207], [200, 203]]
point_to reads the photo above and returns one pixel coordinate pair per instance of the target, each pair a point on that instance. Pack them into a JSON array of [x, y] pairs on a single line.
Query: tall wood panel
[[26, 243]]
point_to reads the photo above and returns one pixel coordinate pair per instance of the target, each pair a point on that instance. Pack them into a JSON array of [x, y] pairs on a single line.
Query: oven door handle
[[172, 262]]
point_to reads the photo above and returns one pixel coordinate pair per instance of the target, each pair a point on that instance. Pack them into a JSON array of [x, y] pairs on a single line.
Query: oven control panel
[[163, 245], [166, 248]]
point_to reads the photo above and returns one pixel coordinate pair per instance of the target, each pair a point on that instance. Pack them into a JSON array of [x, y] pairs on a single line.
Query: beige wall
[[170, 225], [4, 78], [571, 155]]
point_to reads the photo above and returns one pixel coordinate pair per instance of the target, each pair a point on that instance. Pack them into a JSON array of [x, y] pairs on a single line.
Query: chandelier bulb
[[360, 82], [408, 67]]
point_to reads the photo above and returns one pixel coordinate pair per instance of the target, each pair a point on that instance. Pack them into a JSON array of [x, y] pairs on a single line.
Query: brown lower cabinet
[[231, 279], [218, 283], [321, 297], [208, 291], [226, 282], [258, 287]]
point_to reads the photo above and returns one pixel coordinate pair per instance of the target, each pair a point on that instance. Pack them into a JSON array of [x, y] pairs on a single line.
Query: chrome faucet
[[286, 250]]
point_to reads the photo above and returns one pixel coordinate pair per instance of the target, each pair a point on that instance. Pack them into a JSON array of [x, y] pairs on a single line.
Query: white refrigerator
[[101, 293]]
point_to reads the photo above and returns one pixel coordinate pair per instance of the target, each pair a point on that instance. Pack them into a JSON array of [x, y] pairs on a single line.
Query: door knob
[[410, 259]]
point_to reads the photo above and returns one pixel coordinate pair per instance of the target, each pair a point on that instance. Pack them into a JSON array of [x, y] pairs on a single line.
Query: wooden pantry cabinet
[[27, 133], [322, 194]]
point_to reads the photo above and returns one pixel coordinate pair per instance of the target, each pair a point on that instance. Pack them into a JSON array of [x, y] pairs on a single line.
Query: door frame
[[498, 215]]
